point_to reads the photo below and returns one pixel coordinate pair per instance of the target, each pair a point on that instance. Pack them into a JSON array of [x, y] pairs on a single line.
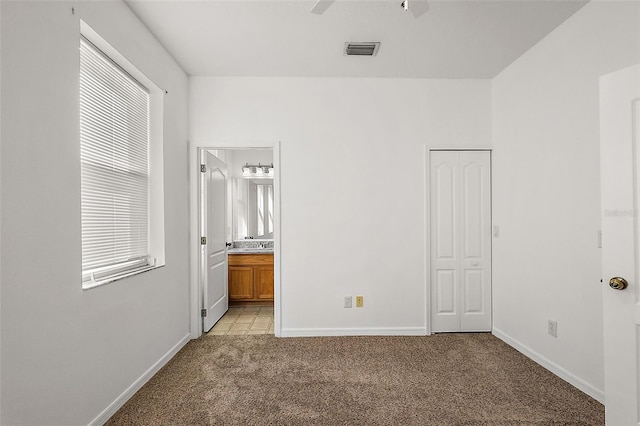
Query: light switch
[[496, 231]]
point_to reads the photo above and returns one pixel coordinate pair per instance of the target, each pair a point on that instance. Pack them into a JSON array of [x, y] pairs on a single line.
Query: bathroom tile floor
[[245, 321]]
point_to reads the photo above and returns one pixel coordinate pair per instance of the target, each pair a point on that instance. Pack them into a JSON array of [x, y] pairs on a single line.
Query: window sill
[[88, 285]]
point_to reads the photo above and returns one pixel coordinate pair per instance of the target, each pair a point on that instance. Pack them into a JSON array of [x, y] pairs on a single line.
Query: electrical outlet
[[552, 328], [359, 301], [348, 301]]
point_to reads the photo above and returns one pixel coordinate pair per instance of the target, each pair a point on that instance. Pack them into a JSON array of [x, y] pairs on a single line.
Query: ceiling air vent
[[361, 49]]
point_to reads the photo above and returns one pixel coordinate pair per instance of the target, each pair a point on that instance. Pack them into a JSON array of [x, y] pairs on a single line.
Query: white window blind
[[114, 140]]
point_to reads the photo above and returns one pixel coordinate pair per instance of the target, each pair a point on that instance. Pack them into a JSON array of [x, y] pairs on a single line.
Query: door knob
[[618, 283]]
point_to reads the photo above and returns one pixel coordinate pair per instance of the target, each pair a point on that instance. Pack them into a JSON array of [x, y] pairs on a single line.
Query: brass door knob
[[618, 283]]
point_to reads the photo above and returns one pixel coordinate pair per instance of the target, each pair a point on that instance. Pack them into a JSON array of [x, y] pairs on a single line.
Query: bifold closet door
[[460, 216]]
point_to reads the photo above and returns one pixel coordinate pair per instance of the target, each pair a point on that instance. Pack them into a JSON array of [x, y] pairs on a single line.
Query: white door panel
[[214, 253], [620, 192], [446, 292], [472, 175], [216, 202], [460, 241], [473, 292], [215, 294], [445, 296], [216, 274], [445, 211]]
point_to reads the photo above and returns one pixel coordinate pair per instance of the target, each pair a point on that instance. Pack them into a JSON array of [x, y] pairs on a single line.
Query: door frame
[[195, 281], [427, 225]]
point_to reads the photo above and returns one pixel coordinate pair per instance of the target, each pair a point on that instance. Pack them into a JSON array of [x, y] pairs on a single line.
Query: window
[[118, 227], [264, 194]]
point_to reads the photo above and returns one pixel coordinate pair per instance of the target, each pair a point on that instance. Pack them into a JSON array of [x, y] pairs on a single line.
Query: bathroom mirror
[[252, 208]]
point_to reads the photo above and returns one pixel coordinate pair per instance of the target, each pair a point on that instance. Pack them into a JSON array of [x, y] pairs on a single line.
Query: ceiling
[[454, 39]]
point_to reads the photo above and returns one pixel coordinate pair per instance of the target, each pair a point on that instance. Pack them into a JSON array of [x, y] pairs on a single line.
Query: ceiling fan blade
[[418, 8], [320, 6]]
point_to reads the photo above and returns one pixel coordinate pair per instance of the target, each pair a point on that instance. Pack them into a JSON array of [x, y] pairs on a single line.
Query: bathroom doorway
[[252, 237]]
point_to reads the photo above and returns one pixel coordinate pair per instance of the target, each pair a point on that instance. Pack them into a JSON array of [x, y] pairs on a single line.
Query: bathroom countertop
[[250, 251]]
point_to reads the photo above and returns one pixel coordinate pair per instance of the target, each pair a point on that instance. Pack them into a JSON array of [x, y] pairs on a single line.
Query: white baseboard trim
[[572, 379], [364, 331], [135, 386]]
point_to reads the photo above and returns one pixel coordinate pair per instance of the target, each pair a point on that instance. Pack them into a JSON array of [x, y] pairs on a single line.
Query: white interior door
[[620, 174], [460, 195], [215, 298]]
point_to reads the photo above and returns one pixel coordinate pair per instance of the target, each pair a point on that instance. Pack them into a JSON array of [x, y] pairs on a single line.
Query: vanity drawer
[[251, 259]]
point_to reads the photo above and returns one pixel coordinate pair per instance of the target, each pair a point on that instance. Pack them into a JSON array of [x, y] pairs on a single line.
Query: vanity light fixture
[[257, 171]]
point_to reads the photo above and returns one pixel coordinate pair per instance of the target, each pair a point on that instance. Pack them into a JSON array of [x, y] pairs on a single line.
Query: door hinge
[[203, 168], [203, 313], [203, 240]]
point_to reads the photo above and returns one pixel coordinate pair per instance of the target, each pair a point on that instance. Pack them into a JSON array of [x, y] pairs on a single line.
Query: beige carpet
[[446, 379]]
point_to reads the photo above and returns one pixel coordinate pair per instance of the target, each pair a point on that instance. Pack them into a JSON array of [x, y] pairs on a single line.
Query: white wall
[[546, 190], [352, 184], [67, 354]]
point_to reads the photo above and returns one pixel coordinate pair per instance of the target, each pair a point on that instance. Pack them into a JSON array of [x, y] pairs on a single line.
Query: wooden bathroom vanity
[[251, 279]]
